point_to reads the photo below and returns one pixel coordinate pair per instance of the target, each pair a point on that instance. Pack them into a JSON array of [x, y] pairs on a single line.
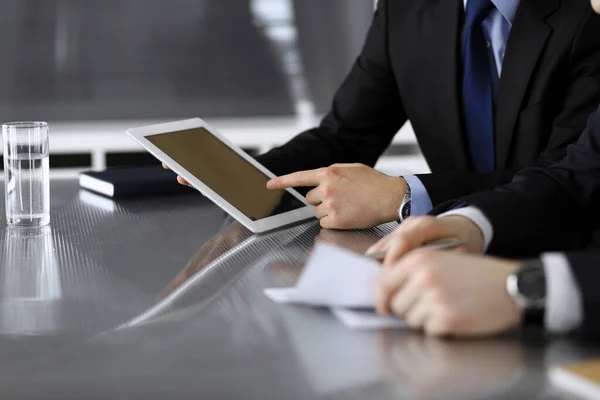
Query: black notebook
[[132, 181]]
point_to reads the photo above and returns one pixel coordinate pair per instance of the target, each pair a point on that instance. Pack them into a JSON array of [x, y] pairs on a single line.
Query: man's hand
[[414, 232], [179, 178], [449, 293], [348, 196]]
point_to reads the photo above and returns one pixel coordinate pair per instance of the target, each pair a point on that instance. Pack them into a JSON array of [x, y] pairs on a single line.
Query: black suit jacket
[[552, 209], [410, 69]]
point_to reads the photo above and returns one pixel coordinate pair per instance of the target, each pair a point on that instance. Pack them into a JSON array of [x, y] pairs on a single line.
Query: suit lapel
[[528, 37]]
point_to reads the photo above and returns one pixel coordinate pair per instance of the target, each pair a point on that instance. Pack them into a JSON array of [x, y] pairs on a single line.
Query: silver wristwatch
[[405, 206], [527, 286]]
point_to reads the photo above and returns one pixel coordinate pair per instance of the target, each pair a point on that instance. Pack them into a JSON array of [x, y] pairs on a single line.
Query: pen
[[443, 244]]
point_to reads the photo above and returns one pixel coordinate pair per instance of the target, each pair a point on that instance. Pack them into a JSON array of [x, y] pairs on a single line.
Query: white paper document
[[366, 319], [339, 279]]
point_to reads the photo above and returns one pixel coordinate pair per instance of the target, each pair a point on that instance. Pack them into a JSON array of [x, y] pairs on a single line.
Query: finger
[[165, 166], [382, 292], [416, 317], [328, 222], [396, 249], [388, 283], [297, 179], [409, 292], [415, 233], [344, 165], [315, 196], [464, 249], [383, 244], [321, 211], [380, 246], [435, 326], [182, 181]]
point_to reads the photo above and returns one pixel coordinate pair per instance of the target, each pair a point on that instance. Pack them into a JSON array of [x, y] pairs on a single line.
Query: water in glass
[[28, 189]]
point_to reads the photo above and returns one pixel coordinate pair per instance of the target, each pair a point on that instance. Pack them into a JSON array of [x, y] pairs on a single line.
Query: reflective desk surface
[[162, 298]]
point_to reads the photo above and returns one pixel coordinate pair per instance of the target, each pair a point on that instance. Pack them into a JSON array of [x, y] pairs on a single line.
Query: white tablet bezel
[[259, 226]]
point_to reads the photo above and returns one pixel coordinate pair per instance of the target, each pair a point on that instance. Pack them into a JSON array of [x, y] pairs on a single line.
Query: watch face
[[532, 283], [406, 210]]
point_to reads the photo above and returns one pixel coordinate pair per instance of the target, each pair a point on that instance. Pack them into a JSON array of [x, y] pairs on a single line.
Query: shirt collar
[[508, 8]]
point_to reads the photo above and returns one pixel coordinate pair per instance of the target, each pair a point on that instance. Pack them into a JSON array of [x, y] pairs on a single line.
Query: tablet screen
[[226, 172]]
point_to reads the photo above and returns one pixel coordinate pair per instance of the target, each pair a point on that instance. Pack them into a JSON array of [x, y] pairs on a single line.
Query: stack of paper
[[341, 280]]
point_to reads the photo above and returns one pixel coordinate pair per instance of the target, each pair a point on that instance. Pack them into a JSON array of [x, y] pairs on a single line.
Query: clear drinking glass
[[26, 173]]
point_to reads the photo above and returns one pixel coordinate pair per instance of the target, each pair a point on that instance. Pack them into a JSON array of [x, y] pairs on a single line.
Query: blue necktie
[[477, 87]]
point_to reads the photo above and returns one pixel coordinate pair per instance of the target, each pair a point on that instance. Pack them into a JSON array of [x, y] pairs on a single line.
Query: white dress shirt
[[564, 304]]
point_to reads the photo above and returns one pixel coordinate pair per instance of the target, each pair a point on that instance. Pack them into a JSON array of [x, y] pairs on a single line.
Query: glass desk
[[162, 298]]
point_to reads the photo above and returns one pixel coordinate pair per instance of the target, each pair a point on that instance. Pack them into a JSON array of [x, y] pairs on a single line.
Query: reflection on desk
[[31, 293], [43, 293], [435, 368], [232, 234], [214, 334]]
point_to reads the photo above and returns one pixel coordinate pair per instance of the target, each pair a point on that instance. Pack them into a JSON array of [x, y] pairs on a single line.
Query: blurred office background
[[259, 70]]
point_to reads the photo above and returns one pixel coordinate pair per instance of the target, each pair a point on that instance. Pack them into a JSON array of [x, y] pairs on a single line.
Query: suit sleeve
[[584, 266], [545, 209], [580, 97], [366, 114]]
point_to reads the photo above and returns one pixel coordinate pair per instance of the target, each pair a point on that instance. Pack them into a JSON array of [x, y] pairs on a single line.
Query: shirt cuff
[[478, 218], [420, 202], [564, 304]]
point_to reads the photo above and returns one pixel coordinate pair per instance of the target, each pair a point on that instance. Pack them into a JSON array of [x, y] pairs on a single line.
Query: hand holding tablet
[[224, 173]]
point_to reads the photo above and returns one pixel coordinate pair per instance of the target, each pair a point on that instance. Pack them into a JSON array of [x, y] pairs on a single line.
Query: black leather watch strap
[[533, 285], [534, 317]]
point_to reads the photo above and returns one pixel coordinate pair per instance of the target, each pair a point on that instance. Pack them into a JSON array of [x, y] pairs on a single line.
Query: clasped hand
[[443, 292]]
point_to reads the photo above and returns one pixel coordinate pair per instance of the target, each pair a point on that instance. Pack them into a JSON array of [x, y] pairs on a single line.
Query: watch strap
[[533, 314], [534, 317]]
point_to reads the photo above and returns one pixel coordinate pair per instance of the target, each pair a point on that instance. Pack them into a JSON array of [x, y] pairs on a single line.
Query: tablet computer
[[224, 173]]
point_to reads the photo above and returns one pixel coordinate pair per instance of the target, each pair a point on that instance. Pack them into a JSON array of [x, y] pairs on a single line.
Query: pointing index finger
[[296, 179]]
